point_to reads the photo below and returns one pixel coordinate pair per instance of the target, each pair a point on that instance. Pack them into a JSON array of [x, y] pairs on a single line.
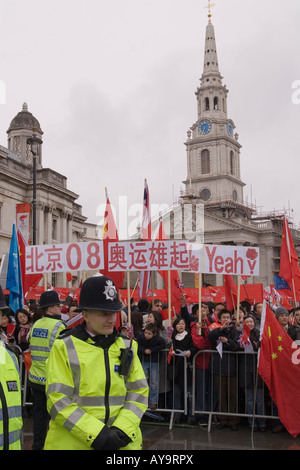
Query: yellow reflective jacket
[[86, 393], [10, 401], [42, 336]]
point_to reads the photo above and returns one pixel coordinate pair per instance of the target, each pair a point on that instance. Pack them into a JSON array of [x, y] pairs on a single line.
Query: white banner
[[144, 256], [64, 257], [183, 256]]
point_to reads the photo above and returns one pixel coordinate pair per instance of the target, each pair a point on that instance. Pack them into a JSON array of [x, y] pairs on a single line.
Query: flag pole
[[200, 301], [169, 296], [294, 291], [128, 298], [238, 300]]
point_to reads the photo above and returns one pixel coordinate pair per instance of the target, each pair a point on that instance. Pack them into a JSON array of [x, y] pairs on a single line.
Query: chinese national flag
[[279, 367], [110, 234], [176, 286], [289, 264], [230, 292]]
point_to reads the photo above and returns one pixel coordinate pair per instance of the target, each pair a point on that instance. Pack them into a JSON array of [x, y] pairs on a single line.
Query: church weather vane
[[209, 6]]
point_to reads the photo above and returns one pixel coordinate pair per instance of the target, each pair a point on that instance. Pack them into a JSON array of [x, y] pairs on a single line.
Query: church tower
[[213, 150]]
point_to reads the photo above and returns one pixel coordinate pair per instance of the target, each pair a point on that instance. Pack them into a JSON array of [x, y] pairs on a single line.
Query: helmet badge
[[110, 291]]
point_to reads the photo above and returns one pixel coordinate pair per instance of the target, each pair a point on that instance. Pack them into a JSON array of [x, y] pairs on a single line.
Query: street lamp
[[34, 143]]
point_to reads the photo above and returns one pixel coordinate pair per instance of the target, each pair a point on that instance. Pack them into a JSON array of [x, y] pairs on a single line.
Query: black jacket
[[155, 344], [227, 365], [176, 365]]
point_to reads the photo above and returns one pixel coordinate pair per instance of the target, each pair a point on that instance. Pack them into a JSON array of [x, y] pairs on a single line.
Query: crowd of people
[[225, 381]]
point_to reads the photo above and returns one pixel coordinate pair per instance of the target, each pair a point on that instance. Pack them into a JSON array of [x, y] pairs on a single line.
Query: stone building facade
[[59, 217]]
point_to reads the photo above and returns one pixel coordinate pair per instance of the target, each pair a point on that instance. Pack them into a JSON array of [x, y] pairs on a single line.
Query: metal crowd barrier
[[185, 390], [223, 395]]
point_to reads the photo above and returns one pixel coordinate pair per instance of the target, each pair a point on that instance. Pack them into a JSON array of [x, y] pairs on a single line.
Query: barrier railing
[[208, 386], [201, 388]]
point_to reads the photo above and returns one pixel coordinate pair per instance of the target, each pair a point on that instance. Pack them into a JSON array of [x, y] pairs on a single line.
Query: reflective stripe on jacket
[[10, 401], [42, 336], [85, 392]]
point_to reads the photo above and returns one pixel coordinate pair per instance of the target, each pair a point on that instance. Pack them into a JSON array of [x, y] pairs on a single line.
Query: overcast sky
[[112, 83]]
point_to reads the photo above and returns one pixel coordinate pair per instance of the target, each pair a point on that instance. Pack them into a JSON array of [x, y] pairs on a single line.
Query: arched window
[[207, 104], [205, 162], [216, 103]]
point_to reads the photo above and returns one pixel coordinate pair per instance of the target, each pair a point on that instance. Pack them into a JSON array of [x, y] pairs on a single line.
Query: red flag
[[289, 263], [29, 281], [110, 234], [245, 335], [278, 365], [144, 276], [176, 285], [230, 292], [27, 359], [69, 277], [170, 355]]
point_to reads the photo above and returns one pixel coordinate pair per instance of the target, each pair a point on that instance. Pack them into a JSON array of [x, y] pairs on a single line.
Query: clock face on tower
[[204, 127], [230, 129]]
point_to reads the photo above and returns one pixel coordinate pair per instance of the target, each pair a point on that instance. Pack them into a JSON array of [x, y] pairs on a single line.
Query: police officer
[[42, 336], [10, 394], [96, 388]]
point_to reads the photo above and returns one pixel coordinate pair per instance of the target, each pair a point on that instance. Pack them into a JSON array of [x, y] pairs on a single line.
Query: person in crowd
[[133, 307], [223, 365], [296, 316], [123, 330], [205, 392], [143, 310], [137, 323], [23, 327], [7, 328], [42, 337], [149, 344], [249, 380], [282, 316], [156, 305], [156, 318], [246, 305], [165, 385], [212, 317], [182, 347], [257, 311]]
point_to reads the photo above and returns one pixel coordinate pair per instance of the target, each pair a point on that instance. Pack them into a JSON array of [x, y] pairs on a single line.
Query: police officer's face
[[99, 322]]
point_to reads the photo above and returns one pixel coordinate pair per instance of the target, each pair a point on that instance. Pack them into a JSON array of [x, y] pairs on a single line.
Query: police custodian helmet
[[49, 298], [99, 293]]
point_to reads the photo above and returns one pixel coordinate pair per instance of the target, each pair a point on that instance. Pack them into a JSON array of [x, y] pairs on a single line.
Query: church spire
[[213, 150], [211, 74]]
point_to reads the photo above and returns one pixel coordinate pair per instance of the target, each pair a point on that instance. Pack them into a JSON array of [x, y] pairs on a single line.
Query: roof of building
[[25, 120]]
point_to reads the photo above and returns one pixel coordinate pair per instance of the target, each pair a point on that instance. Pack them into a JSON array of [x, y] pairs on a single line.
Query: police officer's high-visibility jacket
[[10, 401], [86, 394], [42, 336]]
